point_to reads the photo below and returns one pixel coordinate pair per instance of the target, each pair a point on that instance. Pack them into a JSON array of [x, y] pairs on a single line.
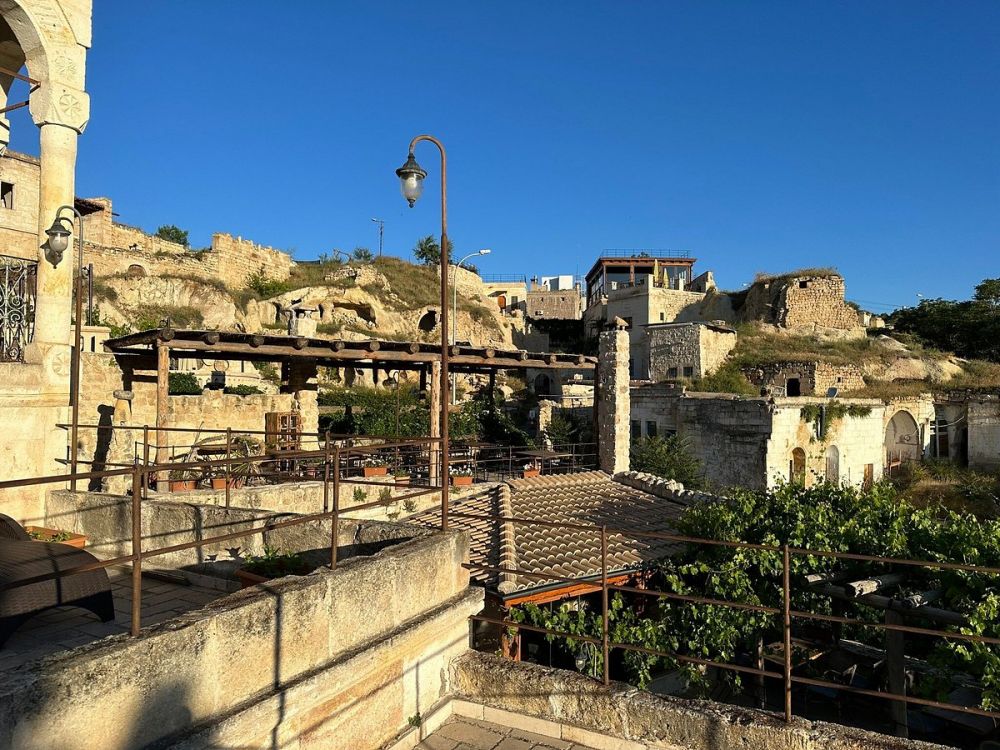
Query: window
[[671, 372], [628, 322], [663, 316], [803, 285], [793, 387], [689, 372], [7, 194], [650, 428], [636, 429]]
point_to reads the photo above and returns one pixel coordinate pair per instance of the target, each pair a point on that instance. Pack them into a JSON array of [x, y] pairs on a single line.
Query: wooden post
[[895, 643], [162, 400], [493, 385], [434, 401]]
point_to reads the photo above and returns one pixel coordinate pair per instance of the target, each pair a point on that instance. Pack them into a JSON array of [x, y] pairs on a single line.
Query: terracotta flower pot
[[529, 473], [376, 471], [182, 485], [219, 483], [403, 481], [48, 535], [461, 481]]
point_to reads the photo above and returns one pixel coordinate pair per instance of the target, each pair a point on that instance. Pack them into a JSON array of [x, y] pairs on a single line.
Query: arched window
[[797, 467], [833, 464]]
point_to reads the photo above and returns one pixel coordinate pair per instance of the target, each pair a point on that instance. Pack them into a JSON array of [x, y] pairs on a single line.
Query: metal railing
[[333, 460], [18, 279], [503, 278], [645, 254], [784, 613]]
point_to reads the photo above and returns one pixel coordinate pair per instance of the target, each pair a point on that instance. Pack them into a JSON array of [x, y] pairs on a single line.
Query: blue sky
[[760, 136]]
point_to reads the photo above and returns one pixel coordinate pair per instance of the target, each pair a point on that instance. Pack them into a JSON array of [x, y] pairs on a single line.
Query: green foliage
[[183, 384], [362, 255], [242, 390], [265, 287], [668, 457], [727, 379], [821, 272], [970, 328], [825, 415], [179, 316], [567, 427], [274, 563], [427, 251], [824, 517], [173, 234]]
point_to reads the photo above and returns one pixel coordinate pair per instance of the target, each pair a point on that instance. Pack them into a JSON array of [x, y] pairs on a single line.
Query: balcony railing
[[18, 278]]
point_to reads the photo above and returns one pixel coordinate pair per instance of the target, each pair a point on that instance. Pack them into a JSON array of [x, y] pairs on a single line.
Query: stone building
[[802, 302], [759, 442], [119, 249], [809, 378], [509, 292], [554, 298], [687, 350], [50, 38]]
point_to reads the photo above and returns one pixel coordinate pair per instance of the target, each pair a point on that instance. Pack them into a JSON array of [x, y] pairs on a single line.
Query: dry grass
[[798, 273]]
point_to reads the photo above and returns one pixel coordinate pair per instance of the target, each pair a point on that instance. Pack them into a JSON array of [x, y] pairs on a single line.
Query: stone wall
[[984, 433], [19, 220], [852, 443], [558, 305], [336, 659], [573, 708], [749, 442], [815, 378], [689, 350], [809, 303]]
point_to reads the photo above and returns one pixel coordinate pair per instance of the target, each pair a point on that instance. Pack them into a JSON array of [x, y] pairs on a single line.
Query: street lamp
[[411, 182], [454, 291], [381, 231], [58, 242]]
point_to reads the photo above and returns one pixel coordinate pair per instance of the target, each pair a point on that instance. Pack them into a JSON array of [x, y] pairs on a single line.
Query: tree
[[173, 234], [669, 458], [988, 291], [362, 255], [428, 251]]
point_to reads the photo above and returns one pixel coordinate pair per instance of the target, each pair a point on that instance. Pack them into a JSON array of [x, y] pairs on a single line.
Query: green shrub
[[242, 390], [183, 384], [667, 457], [265, 287], [727, 379]]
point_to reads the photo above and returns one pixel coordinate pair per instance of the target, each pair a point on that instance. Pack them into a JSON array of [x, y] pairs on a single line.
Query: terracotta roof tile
[[588, 498]]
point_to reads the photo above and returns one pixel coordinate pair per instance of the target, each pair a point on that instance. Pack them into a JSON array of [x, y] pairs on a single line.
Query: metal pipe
[[335, 520], [786, 600], [136, 550], [605, 619], [76, 357], [444, 324]]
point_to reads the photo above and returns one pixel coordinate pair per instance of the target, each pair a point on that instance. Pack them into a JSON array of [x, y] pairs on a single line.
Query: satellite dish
[[832, 392]]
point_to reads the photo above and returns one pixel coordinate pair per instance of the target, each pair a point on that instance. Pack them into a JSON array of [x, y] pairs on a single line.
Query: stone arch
[[24, 29], [797, 466], [902, 438], [833, 464], [136, 271], [543, 384]]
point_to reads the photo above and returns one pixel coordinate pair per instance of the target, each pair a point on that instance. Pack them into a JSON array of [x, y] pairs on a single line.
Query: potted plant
[[42, 534], [531, 469], [375, 467], [402, 477], [273, 563], [182, 480], [461, 477]]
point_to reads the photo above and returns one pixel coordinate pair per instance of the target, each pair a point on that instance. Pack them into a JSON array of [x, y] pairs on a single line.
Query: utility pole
[[381, 231]]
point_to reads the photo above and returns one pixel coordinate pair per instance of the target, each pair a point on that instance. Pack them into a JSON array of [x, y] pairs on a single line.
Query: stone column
[[302, 383], [613, 400], [55, 283]]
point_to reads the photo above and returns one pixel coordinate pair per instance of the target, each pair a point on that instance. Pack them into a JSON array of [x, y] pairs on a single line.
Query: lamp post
[[58, 242], [411, 177], [454, 292], [381, 231]]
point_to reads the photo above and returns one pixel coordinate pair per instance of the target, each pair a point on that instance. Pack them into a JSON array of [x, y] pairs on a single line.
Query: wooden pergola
[[151, 350]]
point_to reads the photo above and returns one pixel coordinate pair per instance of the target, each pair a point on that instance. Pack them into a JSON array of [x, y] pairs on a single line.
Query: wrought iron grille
[[18, 279]]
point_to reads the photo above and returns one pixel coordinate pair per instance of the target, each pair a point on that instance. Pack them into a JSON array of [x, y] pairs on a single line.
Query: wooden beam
[[874, 584], [212, 337], [256, 340], [162, 401]]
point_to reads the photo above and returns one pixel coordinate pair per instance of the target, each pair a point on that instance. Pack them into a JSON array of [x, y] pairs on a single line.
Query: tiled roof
[[589, 498]]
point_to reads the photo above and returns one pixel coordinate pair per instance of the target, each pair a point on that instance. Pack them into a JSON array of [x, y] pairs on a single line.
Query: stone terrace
[[461, 733]]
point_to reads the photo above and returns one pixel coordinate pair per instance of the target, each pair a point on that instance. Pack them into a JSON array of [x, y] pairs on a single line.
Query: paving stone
[[540, 739], [514, 743], [478, 737], [437, 742]]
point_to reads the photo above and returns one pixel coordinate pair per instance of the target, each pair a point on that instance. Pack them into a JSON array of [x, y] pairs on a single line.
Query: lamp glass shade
[[58, 237], [412, 186]]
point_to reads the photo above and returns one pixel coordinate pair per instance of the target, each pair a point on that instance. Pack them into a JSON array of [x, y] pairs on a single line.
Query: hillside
[[385, 298]]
